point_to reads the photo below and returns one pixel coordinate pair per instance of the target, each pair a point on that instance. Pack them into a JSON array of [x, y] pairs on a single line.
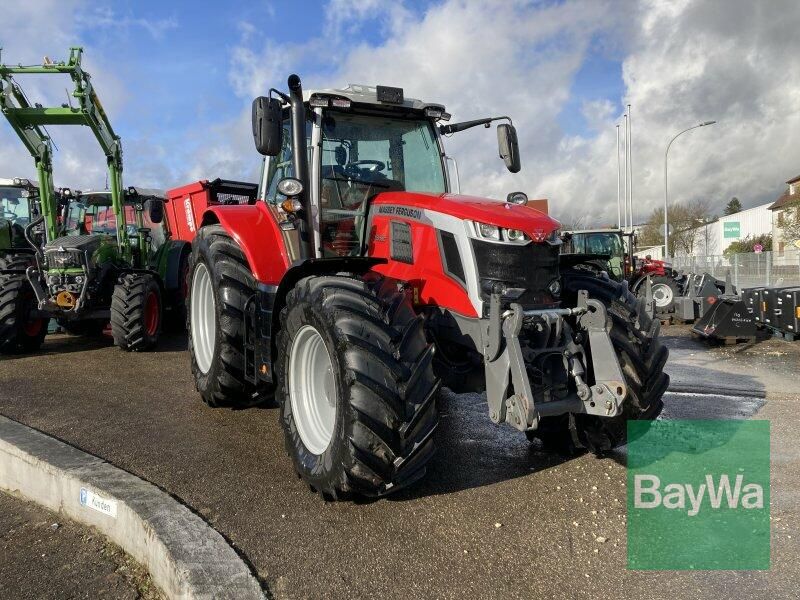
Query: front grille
[[63, 259], [532, 267]]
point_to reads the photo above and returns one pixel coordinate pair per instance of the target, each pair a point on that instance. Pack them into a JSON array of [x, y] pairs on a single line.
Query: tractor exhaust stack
[[300, 163]]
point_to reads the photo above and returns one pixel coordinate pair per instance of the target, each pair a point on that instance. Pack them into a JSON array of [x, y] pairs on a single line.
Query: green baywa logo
[[685, 496]]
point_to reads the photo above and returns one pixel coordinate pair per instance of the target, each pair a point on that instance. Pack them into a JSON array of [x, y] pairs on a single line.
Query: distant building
[[712, 239], [783, 209]]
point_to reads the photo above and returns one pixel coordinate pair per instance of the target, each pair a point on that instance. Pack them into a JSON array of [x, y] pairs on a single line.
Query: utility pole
[[625, 162], [630, 166], [619, 184]]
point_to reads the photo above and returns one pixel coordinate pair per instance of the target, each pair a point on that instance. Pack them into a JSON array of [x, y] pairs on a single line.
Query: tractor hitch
[[507, 368]]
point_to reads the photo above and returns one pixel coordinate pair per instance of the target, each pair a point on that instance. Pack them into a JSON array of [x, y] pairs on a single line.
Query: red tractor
[[611, 250], [357, 283]]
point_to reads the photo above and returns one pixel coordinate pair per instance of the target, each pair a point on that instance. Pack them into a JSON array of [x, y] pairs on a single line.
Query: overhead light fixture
[[340, 102]]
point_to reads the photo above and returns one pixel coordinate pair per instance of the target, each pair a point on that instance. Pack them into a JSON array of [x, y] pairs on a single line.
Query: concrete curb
[[186, 558]]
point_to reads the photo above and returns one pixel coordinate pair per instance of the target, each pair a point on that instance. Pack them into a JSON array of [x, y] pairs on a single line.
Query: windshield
[[598, 243], [13, 206], [363, 155]]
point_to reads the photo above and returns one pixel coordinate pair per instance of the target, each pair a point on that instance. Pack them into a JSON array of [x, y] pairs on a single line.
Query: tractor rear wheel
[[136, 312], [641, 355], [665, 290], [220, 283], [18, 332], [357, 391]]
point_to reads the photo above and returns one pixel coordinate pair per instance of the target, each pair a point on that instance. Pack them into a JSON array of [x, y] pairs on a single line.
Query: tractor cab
[[357, 142], [611, 245], [92, 213], [18, 207]]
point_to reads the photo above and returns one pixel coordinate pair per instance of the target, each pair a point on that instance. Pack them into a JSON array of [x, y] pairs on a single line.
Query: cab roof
[[368, 94]]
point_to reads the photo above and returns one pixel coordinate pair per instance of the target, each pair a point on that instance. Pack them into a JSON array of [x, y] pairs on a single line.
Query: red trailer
[[186, 204]]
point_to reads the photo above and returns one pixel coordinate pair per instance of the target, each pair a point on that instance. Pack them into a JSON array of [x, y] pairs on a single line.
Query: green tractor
[[105, 256]]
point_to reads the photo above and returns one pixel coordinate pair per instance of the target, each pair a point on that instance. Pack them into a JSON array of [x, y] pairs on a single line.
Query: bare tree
[[684, 222]]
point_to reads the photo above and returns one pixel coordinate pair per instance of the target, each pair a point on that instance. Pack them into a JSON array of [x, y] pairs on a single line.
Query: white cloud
[[683, 61]]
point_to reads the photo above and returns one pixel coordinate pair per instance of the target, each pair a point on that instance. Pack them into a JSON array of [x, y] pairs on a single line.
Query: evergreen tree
[[734, 206]]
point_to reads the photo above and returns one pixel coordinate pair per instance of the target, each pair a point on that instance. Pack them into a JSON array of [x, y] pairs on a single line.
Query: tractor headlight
[[493, 233], [489, 232], [515, 236], [290, 187]]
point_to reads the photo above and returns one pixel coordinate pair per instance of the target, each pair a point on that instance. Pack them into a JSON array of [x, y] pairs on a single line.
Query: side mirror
[[267, 125], [155, 211], [508, 146]]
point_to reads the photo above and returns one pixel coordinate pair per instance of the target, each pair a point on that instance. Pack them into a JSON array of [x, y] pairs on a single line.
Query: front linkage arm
[[505, 365]]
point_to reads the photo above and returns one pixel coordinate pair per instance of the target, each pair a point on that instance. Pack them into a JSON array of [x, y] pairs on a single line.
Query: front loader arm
[[29, 123]]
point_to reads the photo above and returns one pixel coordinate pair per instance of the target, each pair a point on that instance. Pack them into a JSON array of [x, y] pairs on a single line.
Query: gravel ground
[[45, 555], [494, 517]]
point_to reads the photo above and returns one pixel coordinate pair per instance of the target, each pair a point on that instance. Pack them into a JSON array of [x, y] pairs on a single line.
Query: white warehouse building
[[712, 239]]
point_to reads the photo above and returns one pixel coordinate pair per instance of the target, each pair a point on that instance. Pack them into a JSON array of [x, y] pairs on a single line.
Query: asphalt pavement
[[45, 555], [494, 517]]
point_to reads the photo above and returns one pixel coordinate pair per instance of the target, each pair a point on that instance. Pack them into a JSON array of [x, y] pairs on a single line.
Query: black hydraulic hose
[[28, 232], [300, 164]]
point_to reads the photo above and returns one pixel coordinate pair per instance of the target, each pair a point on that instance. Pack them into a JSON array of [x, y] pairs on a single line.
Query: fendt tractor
[[612, 251], [103, 256], [358, 282]]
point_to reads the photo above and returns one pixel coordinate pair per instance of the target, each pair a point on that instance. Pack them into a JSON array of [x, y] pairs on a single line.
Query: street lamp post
[[666, 190]]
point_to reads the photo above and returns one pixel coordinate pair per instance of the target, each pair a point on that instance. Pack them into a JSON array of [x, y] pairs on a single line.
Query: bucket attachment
[[727, 320]]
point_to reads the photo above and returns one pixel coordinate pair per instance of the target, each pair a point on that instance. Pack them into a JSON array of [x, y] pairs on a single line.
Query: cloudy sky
[[177, 79]]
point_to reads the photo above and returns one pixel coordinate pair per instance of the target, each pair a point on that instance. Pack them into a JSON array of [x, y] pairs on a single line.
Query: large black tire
[[136, 312], [665, 303], [177, 315], [385, 387], [18, 333], [224, 383], [642, 357]]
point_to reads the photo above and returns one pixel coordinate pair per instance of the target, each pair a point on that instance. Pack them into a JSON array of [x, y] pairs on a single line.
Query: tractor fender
[[319, 266], [178, 249], [638, 281], [258, 235]]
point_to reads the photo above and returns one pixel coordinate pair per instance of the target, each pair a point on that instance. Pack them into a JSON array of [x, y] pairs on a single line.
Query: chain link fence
[[770, 269]]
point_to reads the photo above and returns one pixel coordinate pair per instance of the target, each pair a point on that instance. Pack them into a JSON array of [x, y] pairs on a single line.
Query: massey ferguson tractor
[[358, 282], [89, 258]]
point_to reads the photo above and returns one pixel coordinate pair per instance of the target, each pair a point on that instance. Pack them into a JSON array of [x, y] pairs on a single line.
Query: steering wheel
[[354, 167], [8, 215]]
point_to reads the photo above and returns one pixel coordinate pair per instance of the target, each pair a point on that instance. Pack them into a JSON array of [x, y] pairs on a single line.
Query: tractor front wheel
[[18, 331], [357, 391], [136, 312]]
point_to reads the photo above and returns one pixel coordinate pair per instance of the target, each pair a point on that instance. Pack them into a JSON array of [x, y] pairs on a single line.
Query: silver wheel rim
[[203, 319], [662, 294], [312, 389]]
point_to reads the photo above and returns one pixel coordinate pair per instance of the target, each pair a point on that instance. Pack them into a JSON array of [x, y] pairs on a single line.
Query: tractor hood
[[84, 243], [483, 210]]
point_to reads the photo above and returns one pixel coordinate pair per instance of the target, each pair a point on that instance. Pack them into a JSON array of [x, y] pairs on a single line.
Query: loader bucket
[[726, 320]]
